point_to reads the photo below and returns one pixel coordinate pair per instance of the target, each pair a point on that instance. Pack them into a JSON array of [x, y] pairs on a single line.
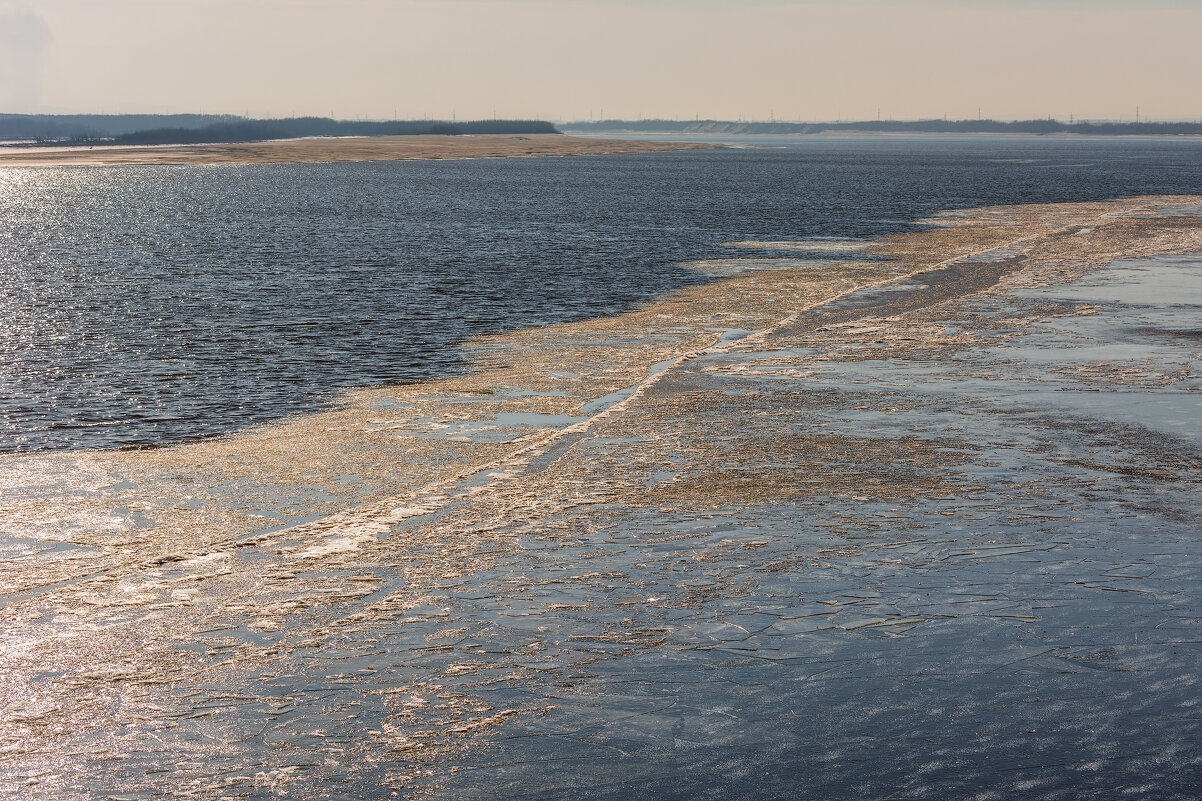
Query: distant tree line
[[889, 126], [96, 126], [261, 130], [195, 129]]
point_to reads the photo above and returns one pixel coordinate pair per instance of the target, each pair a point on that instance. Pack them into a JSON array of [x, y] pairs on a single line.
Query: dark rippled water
[[146, 305]]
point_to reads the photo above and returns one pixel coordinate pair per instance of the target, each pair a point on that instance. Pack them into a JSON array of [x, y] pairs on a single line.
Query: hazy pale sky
[[569, 59]]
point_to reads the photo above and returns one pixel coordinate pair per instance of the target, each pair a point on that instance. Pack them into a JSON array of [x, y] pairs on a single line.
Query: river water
[[147, 305]]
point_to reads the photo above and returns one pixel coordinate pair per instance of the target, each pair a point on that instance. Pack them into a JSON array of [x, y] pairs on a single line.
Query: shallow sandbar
[[327, 149]]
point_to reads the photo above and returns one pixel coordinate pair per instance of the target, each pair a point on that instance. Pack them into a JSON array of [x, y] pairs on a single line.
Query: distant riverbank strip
[[993, 127], [331, 149]]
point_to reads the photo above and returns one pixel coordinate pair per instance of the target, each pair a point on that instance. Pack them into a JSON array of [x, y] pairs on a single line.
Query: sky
[[581, 59]]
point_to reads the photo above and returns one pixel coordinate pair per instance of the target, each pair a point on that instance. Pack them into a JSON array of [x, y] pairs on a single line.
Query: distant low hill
[[887, 126], [149, 129]]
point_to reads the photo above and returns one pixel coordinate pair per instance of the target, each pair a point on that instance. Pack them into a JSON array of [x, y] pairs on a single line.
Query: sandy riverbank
[[323, 149]]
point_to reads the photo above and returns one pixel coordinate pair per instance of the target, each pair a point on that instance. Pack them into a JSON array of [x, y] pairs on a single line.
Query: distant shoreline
[[887, 127], [620, 132], [331, 149]]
